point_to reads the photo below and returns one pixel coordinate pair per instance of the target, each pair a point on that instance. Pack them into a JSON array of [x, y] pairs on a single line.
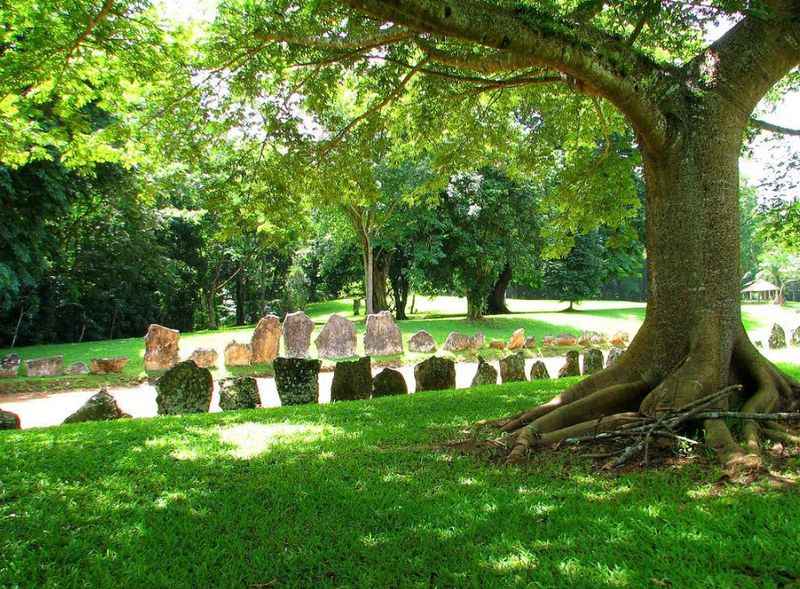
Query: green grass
[[358, 494], [438, 315]]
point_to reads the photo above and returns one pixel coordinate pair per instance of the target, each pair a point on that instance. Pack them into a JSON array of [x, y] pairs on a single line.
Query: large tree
[[689, 104]]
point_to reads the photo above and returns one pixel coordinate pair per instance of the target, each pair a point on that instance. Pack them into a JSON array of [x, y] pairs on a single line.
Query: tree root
[[647, 409]]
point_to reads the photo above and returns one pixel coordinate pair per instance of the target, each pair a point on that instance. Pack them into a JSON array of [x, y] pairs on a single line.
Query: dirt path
[[46, 409]]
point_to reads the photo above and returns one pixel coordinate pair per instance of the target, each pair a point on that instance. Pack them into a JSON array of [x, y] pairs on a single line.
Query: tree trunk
[[692, 342], [368, 289], [240, 299], [474, 308], [211, 310], [496, 301], [380, 269]]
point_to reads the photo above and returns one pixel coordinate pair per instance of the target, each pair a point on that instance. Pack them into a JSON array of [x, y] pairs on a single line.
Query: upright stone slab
[[100, 407], [530, 343], [337, 339], [9, 420], [161, 347], [512, 368], [497, 344], [571, 367], [422, 342], [592, 361], [486, 374], [435, 374], [352, 380], [389, 382], [777, 337], [184, 388], [237, 354], [382, 337], [517, 340], [9, 366], [619, 339], [297, 380], [77, 368], [107, 365], [795, 337], [457, 342], [477, 341], [614, 354], [53, 366], [204, 357], [566, 339], [266, 340], [238, 393], [539, 371], [297, 328]]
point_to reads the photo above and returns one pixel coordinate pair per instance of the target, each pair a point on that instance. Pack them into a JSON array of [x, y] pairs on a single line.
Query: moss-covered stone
[[297, 380], [512, 368], [592, 361], [352, 380], [486, 373], [389, 382], [238, 393], [100, 407], [184, 388], [435, 374], [539, 371], [614, 354], [572, 366], [9, 420]]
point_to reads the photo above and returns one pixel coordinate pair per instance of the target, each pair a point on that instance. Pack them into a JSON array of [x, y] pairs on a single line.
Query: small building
[[760, 291]]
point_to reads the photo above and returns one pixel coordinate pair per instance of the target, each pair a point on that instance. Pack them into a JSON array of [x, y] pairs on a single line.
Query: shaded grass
[[437, 315], [357, 494]]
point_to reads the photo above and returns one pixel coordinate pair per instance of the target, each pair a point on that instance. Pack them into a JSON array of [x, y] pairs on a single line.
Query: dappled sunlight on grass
[[251, 439]]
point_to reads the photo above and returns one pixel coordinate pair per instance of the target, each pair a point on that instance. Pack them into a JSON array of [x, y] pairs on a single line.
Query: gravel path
[[46, 409]]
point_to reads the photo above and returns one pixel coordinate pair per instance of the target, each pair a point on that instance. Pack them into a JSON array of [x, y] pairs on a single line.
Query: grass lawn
[[357, 494], [438, 315]]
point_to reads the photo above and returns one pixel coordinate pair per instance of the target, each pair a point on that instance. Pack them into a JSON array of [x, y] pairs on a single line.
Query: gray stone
[[9, 420], [100, 407], [571, 367], [435, 374], [530, 343], [77, 368], [237, 354], [389, 382], [486, 374], [297, 380], [512, 368], [539, 371], [382, 337], [423, 342], [9, 366], [592, 361], [266, 340], [517, 340], [204, 357], [297, 328], [161, 347], [614, 354], [53, 366], [107, 365], [777, 337], [457, 342], [478, 340], [337, 339], [352, 380], [184, 388], [238, 393]]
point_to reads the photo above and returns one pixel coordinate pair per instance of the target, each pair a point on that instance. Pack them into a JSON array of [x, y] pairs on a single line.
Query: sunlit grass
[[360, 494]]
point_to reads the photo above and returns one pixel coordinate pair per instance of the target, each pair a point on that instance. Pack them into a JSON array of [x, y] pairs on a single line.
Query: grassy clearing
[[438, 315], [357, 495]]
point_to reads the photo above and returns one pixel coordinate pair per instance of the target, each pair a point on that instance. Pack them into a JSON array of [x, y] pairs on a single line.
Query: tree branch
[[602, 64], [387, 37], [772, 128], [93, 22]]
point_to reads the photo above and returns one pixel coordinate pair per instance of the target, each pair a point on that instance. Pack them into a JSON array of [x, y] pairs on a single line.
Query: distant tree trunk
[[19, 322], [241, 296], [211, 310], [380, 269], [496, 301], [474, 308], [368, 263]]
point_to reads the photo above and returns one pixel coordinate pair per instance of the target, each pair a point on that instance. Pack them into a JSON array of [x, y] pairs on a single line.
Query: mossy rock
[[435, 374], [100, 407], [352, 380], [486, 373], [297, 380], [389, 382], [238, 393], [184, 388]]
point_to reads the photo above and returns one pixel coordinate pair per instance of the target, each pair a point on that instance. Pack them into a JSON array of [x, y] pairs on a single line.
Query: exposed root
[[776, 433]]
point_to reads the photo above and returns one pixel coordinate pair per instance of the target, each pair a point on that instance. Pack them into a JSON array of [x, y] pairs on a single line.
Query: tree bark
[[368, 287], [496, 301], [380, 270], [474, 308]]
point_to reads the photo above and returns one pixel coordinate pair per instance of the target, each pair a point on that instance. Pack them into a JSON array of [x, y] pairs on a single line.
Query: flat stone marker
[[160, 347], [382, 337], [337, 339], [297, 328], [266, 339], [53, 366]]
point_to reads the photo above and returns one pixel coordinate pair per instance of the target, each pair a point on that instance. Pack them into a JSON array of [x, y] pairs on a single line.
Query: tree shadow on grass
[[357, 495]]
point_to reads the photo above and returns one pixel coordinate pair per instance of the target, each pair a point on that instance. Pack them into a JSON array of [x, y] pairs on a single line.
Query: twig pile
[[635, 438]]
